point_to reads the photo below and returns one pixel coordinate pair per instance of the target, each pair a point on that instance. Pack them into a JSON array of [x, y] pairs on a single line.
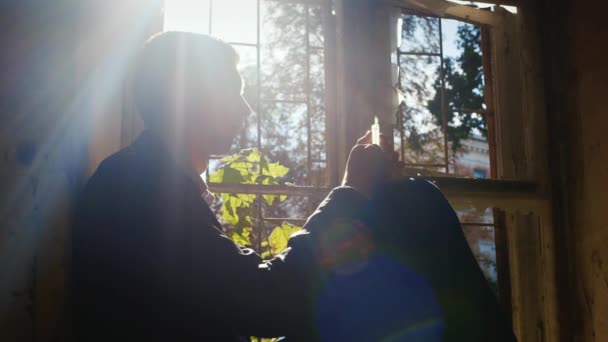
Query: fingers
[[366, 139], [367, 151], [367, 161], [385, 145]]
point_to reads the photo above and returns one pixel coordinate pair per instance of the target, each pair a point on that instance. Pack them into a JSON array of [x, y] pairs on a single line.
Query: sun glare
[[187, 15], [232, 21]]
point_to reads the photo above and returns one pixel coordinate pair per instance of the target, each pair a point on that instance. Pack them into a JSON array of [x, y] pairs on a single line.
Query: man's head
[[187, 86]]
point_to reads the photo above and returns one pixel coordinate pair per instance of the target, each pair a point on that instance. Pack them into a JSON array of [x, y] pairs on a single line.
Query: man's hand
[[369, 165]]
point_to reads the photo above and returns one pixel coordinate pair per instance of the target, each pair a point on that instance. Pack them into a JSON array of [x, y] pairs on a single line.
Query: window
[[281, 48], [441, 124], [479, 173], [282, 62], [441, 127]]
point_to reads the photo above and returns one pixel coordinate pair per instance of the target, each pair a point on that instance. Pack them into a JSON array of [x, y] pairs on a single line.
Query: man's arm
[[271, 298], [276, 298]]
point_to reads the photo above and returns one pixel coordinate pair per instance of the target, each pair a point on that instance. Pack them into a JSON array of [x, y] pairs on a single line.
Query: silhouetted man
[[150, 260]]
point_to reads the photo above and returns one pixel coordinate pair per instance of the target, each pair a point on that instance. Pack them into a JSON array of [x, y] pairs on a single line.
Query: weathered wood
[[461, 192], [331, 90], [521, 149], [446, 9], [289, 190]]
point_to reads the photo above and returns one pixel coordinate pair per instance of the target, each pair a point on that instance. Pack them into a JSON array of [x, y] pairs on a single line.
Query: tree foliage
[[421, 81], [423, 138], [464, 89], [283, 87], [249, 166]]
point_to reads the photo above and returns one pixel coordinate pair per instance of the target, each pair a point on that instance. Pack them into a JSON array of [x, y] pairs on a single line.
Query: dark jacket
[[415, 225], [150, 260], [150, 263]]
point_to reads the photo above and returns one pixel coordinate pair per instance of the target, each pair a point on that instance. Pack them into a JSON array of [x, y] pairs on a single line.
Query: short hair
[[200, 57]]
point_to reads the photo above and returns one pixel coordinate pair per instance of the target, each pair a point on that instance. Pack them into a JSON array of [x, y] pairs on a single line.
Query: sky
[[233, 20], [450, 29]]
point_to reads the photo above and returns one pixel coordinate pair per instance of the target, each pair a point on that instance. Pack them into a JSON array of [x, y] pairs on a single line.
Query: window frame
[[517, 193]]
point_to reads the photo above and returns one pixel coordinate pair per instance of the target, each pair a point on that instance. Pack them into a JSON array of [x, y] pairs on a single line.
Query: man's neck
[[181, 152]]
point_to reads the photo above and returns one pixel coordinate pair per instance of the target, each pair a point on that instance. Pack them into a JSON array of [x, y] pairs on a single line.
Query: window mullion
[[444, 119]]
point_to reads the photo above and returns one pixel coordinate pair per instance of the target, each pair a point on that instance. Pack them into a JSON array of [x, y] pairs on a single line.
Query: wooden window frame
[[523, 224]]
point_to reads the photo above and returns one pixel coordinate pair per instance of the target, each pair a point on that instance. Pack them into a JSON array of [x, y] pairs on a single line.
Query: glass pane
[[472, 215], [317, 133], [284, 137], [469, 150], [317, 103], [248, 137], [397, 140], [248, 67], [420, 34], [317, 74], [186, 15], [422, 118], [318, 174], [482, 244], [425, 171], [467, 129], [316, 27], [283, 44], [481, 239], [463, 65], [293, 207], [235, 20]]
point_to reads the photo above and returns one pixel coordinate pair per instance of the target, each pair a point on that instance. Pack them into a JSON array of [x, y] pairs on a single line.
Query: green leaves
[[244, 238], [276, 170], [280, 236], [250, 166], [262, 339]]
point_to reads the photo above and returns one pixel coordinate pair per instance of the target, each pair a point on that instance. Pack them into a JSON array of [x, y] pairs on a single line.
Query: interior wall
[[590, 168], [575, 51], [61, 76], [40, 166]]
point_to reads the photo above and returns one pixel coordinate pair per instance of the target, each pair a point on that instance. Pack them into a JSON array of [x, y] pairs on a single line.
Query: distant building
[[473, 160]]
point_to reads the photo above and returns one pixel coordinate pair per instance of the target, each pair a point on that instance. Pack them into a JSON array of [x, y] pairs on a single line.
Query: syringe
[[376, 132]]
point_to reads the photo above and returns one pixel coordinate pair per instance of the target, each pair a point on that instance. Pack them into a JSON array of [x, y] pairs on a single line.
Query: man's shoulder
[[117, 161], [118, 174], [126, 164]]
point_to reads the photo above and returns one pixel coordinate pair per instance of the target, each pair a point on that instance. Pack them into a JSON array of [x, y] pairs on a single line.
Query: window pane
[[317, 74], [293, 207], [478, 229], [317, 105], [472, 215], [248, 137], [420, 34], [469, 150], [467, 129], [186, 15], [397, 137], [318, 174], [482, 244], [248, 67], [315, 26], [283, 51], [422, 118], [235, 20], [284, 137]]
